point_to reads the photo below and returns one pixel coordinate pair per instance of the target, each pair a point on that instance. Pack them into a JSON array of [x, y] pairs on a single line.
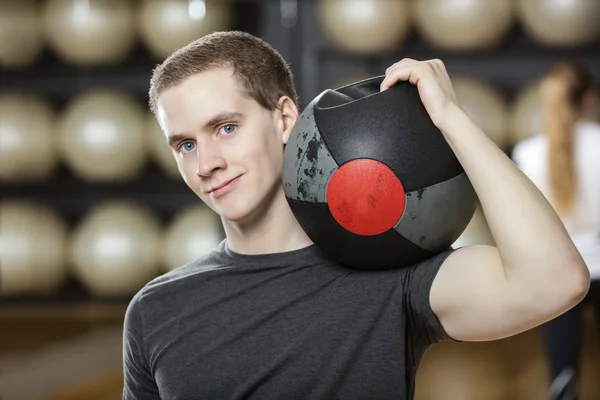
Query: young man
[[266, 315]]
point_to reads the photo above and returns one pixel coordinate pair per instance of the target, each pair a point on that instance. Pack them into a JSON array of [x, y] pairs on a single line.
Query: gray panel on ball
[[435, 217], [308, 164]]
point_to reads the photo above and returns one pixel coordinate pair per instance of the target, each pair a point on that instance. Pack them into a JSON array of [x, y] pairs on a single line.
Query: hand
[[432, 81]]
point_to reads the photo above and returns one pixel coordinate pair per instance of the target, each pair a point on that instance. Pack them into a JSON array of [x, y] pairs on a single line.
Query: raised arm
[[535, 273]]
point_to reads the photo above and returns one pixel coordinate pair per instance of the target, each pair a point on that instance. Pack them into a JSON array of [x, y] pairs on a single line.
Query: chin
[[237, 213], [232, 216]]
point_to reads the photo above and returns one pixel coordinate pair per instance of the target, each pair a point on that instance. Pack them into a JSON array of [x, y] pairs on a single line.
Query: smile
[[224, 188]]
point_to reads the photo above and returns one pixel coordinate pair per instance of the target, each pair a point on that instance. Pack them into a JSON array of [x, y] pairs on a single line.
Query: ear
[[287, 117]]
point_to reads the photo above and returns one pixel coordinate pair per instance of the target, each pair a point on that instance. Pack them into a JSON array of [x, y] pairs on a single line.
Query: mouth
[[224, 187]]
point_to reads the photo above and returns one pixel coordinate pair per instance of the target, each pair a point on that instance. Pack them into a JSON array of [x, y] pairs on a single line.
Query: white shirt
[[583, 223]]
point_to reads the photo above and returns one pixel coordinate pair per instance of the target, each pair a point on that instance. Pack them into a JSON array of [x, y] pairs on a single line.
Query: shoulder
[[210, 261], [421, 275], [418, 284], [175, 280], [418, 278], [413, 274], [432, 263], [133, 314]]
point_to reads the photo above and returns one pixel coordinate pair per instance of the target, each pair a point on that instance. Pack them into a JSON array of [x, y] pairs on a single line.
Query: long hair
[[563, 90]]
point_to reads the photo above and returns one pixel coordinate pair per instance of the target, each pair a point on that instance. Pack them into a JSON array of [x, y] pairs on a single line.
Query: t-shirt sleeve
[[417, 288], [138, 381]]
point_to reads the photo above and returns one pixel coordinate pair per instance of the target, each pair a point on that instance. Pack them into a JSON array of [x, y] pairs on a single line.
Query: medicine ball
[[372, 181]]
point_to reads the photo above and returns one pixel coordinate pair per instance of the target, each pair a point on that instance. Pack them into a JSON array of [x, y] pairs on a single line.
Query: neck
[[273, 229]]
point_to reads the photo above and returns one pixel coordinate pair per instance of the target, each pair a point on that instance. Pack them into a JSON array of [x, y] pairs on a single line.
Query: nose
[[209, 160]]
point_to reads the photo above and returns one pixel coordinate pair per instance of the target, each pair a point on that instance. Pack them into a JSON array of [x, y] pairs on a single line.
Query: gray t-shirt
[[291, 325]]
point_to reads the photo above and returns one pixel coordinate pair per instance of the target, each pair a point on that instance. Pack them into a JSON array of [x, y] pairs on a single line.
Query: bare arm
[[535, 273]]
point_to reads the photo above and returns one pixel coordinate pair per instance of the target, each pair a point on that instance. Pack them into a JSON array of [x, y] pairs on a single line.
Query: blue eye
[[186, 147], [228, 129]]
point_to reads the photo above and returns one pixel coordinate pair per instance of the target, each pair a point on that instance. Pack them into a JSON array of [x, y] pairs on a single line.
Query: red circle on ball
[[366, 197]]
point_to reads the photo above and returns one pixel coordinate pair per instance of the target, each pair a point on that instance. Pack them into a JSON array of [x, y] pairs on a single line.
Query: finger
[[402, 62], [399, 63], [408, 63], [410, 71], [397, 74], [428, 64]]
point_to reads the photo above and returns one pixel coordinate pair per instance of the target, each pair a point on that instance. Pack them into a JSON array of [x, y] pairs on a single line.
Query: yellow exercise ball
[[33, 248], [526, 114], [166, 25], [21, 38], [463, 371], [365, 26], [463, 24], [159, 150], [90, 32], [102, 138], [561, 22], [485, 105], [191, 234], [115, 249], [28, 148]]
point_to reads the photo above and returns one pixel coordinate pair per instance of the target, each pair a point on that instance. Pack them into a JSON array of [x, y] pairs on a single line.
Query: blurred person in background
[[564, 163]]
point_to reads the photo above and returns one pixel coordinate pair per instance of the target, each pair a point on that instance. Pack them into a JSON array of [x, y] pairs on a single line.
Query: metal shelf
[[516, 61], [73, 196], [73, 301], [73, 311]]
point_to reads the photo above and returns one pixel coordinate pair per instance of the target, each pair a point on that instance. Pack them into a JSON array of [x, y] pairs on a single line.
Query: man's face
[[228, 148]]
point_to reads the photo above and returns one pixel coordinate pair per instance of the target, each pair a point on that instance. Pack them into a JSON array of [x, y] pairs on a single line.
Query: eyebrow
[[213, 122], [221, 118]]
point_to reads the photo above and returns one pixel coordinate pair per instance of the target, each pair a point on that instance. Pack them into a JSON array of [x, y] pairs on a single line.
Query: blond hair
[[563, 90]]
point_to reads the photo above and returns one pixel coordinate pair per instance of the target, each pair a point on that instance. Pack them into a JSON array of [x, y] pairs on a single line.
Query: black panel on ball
[[393, 127], [385, 251]]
